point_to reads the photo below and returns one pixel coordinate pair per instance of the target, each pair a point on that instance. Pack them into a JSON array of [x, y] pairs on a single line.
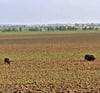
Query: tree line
[[46, 28]]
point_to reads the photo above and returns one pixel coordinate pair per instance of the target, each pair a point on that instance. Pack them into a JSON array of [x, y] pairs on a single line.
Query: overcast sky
[[49, 11]]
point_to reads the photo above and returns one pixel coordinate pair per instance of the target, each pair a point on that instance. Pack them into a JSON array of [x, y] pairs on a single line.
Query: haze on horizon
[[49, 11]]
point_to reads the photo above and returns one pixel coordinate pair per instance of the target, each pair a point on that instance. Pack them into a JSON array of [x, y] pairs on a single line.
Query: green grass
[[43, 56], [51, 55]]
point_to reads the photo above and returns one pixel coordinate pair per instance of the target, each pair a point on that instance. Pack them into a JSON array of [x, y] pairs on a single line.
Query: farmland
[[50, 62]]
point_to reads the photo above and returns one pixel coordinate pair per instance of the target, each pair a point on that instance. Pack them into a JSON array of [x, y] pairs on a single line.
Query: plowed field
[[50, 62]]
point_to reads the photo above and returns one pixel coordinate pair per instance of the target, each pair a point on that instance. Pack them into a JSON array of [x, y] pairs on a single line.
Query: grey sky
[[49, 11]]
